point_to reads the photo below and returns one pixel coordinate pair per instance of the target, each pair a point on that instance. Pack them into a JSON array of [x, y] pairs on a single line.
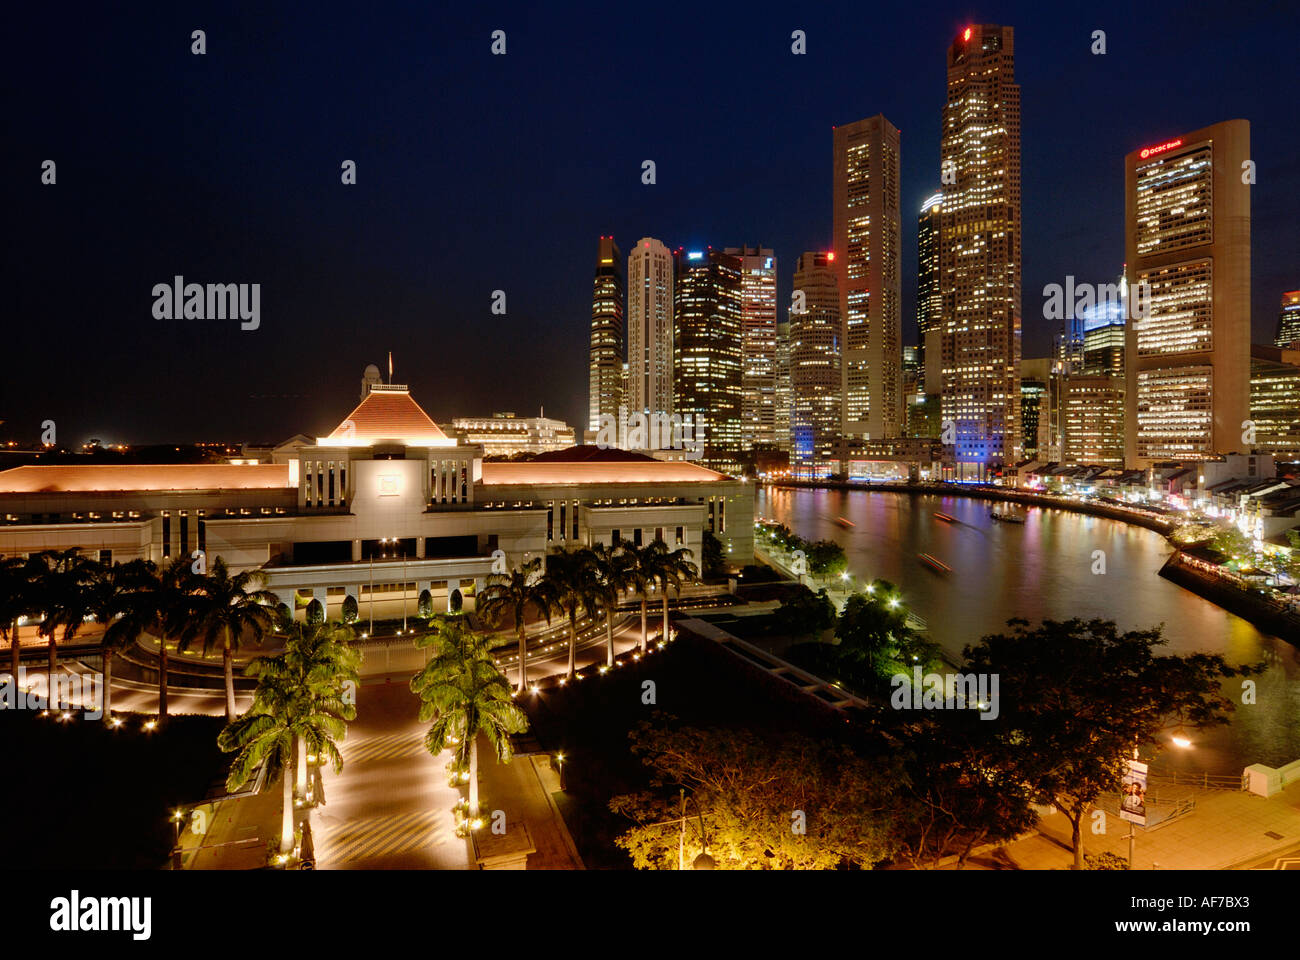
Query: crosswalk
[[382, 836], [396, 746]]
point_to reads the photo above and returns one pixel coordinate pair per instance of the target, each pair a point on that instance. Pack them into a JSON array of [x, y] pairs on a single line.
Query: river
[[1043, 569]]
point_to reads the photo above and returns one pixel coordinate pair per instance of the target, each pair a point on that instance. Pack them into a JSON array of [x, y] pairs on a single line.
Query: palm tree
[[572, 586], [512, 593], [107, 597], [159, 601], [614, 574], [667, 568], [298, 704], [464, 694], [227, 608], [638, 576], [17, 601], [57, 580]]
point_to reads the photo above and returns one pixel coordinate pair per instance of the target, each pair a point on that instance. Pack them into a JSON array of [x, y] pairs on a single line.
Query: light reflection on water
[[1043, 570]]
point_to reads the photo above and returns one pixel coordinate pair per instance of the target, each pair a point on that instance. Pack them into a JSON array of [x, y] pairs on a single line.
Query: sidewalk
[[522, 789], [1226, 830]]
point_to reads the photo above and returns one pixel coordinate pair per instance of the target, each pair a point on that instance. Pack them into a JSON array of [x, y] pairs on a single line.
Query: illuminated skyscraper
[[816, 383], [1187, 348], [708, 351], [649, 387], [1093, 416], [1288, 321], [1275, 400], [784, 390], [866, 236], [979, 251], [605, 365], [758, 344], [929, 303]]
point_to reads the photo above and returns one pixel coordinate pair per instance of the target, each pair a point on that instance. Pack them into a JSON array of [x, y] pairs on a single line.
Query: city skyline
[[326, 301]]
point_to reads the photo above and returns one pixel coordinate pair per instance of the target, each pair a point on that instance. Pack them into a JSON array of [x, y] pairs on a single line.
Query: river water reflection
[[1043, 569]]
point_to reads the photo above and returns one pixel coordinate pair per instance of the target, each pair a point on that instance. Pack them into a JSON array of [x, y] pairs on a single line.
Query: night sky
[[478, 172]]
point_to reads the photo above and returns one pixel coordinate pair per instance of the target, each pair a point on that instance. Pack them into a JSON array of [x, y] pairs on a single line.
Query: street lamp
[[703, 861]]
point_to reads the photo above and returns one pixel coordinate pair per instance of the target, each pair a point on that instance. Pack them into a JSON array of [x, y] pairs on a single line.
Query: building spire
[[390, 368]]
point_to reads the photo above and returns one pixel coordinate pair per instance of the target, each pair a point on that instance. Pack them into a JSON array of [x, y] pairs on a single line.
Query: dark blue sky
[[480, 172]]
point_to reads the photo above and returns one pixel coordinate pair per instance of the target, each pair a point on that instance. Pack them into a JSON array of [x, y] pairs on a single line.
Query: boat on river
[[934, 563], [846, 524], [945, 517], [1006, 516]]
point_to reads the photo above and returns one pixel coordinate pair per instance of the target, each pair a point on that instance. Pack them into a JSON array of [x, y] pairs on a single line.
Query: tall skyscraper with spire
[[606, 358], [979, 252], [649, 387], [816, 383], [866, 236]]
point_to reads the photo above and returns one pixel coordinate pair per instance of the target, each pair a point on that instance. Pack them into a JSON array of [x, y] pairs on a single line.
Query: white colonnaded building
[[386, 506]]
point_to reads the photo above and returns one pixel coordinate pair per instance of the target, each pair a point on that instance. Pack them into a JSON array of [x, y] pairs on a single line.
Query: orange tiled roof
[[124, 476], [645, 471], [388, 415]]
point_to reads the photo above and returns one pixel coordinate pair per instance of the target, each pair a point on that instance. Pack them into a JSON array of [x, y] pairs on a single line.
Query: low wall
[[1266, 781], [1251, 607]]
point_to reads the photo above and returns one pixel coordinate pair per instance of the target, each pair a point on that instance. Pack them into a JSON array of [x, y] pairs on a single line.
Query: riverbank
[[1257, 609], [1140, 518]]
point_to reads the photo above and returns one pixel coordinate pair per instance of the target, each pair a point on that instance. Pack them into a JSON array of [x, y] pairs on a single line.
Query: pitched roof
[[647, 470], [34, 478], [387, 414]]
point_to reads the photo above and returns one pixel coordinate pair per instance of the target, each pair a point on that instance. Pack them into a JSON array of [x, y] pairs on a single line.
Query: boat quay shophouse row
[[387, 498]]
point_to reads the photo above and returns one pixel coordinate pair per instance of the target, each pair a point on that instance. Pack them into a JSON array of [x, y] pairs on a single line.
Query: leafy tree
[[826, 559], [228, 608], [961, 792], [424, 606], [793, 804], [456, 601], [463, 694], [512, 593], [106, 597], [804, 613], [315, 613], [1082, 697], [873, 630], [350, 612]]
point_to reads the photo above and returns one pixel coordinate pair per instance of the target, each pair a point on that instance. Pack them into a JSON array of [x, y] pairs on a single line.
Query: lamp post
[[703, 861]]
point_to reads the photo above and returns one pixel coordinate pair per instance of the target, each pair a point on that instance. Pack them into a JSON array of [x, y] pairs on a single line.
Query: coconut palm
[[464, 694], [669, 568], [57, 581], [640, 579], [322, 659], [512, 593], [17, 601], [614, 574], [107, 597], [227, 609], [572, 586], [299, 704], [159, 601]]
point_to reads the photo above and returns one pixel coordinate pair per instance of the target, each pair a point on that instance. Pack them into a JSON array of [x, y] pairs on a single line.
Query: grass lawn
[[83, 795]]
